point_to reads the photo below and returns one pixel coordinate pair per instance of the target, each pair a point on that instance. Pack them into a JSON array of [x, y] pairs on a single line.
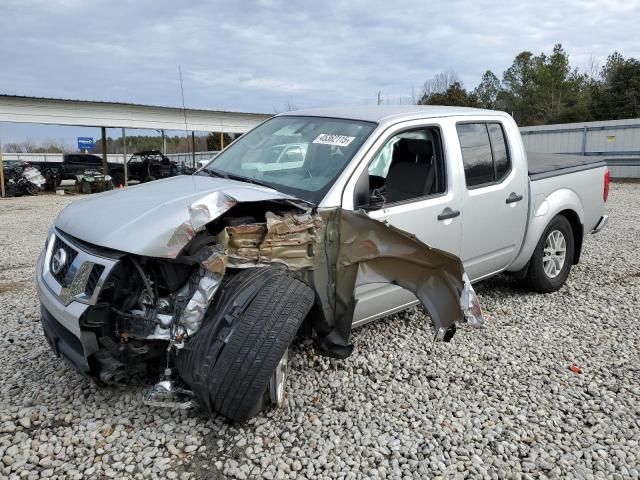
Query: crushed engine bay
[[332, 250]]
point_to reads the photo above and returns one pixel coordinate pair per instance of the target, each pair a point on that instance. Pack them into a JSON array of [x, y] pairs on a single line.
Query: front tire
[[551, 261], [236, 355]]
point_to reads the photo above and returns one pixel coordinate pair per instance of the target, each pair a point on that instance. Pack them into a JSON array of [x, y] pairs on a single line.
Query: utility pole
[[105, 167], [2, 192], [193, 150], [124, 158], [379, 97]]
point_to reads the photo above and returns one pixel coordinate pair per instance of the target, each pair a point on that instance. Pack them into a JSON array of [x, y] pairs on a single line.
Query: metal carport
[[55, 111]]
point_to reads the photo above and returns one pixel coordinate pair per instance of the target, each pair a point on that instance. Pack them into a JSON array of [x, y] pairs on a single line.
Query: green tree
[[454, 95], [617, 94], [487, 91], [545, 89], [213, 141], [517, 88]]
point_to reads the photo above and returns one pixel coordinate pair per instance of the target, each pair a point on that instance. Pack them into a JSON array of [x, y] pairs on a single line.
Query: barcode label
[[332, 139]]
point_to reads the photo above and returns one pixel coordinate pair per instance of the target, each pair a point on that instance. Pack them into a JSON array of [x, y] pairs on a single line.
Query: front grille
[[96, 272], [71, 254]]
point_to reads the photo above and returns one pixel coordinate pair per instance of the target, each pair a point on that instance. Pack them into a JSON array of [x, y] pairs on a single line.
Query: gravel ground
[[495, 403]]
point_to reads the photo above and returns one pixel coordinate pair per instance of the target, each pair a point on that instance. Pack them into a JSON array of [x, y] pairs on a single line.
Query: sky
[[269, 55]]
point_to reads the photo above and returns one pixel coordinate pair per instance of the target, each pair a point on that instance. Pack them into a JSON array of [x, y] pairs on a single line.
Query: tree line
[[135, 143], [545, 89]]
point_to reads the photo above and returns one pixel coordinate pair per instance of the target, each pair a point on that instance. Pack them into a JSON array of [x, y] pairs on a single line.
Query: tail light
[[607, 180]]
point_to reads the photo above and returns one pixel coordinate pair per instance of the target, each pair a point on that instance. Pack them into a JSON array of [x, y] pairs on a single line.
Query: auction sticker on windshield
[[332, 139]]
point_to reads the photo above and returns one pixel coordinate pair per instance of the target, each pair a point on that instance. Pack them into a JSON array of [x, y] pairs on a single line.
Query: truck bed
[[545, 165]]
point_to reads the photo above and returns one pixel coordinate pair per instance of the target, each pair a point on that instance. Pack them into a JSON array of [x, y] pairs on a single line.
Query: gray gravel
[[495, 403]]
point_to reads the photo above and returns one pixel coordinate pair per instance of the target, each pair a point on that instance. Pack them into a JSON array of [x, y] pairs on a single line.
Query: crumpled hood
[[157, 219]]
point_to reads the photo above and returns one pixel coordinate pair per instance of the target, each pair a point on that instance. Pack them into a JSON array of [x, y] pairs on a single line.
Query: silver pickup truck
[[201, 282]]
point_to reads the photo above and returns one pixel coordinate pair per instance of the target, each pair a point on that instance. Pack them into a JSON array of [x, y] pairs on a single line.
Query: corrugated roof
[[56, 111], [107, 102]]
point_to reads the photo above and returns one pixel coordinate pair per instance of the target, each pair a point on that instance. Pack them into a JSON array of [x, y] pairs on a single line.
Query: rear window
[[500, 154], [484, 153]]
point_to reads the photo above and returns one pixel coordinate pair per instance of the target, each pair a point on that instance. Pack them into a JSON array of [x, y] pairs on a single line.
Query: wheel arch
[[565, 202], [578, 228]]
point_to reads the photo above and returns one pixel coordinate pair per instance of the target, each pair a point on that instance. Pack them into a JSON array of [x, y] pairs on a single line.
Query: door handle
[[447, 213], [513, 198]]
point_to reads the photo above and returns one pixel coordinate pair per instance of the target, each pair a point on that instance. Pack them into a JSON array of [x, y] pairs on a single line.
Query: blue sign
[[85, 143]]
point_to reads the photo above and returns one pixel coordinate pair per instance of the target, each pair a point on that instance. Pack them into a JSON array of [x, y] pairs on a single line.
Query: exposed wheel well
[[578, 229]]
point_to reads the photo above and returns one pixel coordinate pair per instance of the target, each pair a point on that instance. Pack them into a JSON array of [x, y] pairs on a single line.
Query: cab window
[[484, 153], [410, 165]]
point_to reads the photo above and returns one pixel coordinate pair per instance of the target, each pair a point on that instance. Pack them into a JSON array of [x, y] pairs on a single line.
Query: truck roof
[[391, 113]]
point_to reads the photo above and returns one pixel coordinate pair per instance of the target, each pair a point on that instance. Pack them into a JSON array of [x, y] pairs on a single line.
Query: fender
[[544, 210]]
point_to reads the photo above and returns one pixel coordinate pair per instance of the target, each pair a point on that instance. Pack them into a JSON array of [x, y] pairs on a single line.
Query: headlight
[[50, 237]]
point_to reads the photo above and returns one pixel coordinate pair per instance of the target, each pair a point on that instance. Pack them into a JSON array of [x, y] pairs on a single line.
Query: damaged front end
[[146, 309]]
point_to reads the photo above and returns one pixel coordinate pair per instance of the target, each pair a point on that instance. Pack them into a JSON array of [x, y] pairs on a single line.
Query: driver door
[[433, 215]]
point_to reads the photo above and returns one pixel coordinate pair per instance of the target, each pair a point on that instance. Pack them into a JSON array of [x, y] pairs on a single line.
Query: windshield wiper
[[213, 173], [240, 178]]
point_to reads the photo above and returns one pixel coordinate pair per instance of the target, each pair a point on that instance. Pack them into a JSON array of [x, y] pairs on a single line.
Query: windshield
[[300, 156]]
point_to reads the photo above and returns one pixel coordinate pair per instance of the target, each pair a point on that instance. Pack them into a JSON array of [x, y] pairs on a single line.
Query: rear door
[[494, 197]]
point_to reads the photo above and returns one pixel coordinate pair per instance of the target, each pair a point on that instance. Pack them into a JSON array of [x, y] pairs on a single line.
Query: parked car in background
[[204, 280], [93, 181], [72, 164], [145, 167], [20, 178]]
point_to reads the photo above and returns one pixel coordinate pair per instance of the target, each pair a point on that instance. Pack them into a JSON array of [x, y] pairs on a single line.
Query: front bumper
[[67, 315], [64, 343], [61, 321]]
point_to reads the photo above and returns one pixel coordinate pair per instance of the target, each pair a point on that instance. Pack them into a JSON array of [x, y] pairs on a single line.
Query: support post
[[2, 192], [164, 142], [105, 167], [584, 140], [193, 149], [124, 157], [221, 141]]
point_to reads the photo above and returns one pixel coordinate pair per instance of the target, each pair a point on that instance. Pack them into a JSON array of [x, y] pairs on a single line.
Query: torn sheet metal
[[196, 308], [289, 239], [215, 259], [201, 212], [341, 250], [369, 251], [471, 305]]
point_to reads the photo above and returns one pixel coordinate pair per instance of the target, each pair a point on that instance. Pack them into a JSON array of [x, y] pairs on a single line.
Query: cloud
[[259, 56]]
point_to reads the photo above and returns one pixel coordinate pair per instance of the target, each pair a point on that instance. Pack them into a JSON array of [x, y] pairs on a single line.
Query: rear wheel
[[237, 362], [551, 261]]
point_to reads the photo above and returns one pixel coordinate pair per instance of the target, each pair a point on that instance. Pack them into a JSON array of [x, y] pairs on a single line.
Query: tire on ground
[[536, 279], [246, 331]]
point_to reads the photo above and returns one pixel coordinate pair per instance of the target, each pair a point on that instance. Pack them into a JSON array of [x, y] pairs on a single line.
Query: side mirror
[[376, 199], [367, 198]]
